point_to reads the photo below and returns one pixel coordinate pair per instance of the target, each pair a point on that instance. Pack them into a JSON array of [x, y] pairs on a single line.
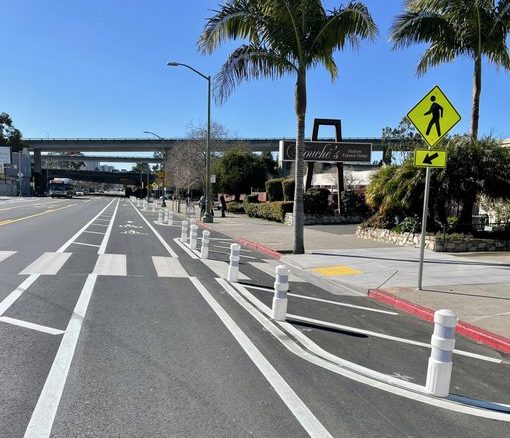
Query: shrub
[[409, 225], [353, 204], [235, 207], [316, 201], [272, 211], [252, 198], [274, 190], [288, 186]]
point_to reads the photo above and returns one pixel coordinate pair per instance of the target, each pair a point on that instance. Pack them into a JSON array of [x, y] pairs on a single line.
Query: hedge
[[272, 211], [274, 190], [288, 187], [235, 207], [316, 201]]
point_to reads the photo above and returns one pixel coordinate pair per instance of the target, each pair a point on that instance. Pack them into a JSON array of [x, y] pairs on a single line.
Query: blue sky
[[95, 68]]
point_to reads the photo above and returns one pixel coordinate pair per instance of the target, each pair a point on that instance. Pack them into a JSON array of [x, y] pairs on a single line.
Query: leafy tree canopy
[[9, 135]]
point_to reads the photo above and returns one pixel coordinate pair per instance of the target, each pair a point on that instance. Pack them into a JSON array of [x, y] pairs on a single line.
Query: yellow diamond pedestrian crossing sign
[[434, 116], [429, 158]]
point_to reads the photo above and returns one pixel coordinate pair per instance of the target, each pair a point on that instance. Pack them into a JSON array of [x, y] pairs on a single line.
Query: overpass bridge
[[38, 145], [124, 178], [101, 158]]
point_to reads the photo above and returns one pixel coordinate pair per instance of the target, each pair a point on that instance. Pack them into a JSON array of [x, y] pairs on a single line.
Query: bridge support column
[[39, 181]]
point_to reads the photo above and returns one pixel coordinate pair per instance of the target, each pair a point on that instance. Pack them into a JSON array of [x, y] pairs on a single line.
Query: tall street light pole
[[163, 204], [207, 215]]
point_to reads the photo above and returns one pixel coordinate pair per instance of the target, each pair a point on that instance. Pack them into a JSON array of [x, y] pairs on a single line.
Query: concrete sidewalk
[[475, 286]]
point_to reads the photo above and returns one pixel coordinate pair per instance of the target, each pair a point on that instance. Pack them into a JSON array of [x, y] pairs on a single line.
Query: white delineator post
[[170, 220], [160, 216], [439, 371], [167, 213], [193, 232], [204, 250], [184, 232], [281, 286], [233, 267]]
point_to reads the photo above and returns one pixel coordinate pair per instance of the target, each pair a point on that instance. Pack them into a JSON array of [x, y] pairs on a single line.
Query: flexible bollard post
[[439, 370], [170, 219], [192, 221], [153, 209], [193, 232], [233, 267], [167, 213], [281, 286], [184, 232], [160, 216], [204, 250]]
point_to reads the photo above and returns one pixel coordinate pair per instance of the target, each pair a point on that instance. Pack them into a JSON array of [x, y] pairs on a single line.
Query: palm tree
[[452, 28], [284, 37]]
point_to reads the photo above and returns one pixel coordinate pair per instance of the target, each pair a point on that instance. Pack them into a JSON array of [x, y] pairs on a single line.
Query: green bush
[[409, 225], [316, 201], [353, 204], [235, 207], [288, 186], [252, 198], [272, 211], [274, 190]]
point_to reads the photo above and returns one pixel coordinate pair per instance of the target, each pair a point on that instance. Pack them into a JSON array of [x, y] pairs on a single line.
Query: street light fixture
[[163, 204], [207, 217]]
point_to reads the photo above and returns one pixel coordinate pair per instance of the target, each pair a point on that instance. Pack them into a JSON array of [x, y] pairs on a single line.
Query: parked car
[[79, 193]]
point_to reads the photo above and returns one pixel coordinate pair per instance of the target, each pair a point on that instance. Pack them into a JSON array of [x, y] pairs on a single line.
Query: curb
[[470, 331], [258, 247]]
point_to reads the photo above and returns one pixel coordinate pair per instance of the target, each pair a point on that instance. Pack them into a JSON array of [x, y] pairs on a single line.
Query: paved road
[[110, 327]]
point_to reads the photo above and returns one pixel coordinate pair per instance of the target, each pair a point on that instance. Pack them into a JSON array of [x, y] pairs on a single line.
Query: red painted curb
[[261, 248], [468, 330]]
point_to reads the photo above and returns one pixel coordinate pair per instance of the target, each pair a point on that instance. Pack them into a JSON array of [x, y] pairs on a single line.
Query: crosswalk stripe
[[47, 264], [31, 325], [168, 267], [6, 254], [111, 264]]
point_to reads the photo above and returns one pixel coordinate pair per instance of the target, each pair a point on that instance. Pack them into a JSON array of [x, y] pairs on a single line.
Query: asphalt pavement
[[110, 326]]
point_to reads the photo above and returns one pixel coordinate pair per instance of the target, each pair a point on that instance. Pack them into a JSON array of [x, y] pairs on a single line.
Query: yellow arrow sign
[[429, 158], [434, 116]]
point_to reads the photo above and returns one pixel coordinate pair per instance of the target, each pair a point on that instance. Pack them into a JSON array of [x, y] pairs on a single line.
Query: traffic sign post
[[433, 116]]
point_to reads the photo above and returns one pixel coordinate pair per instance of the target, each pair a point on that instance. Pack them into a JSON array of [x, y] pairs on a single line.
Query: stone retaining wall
[[320, 219], [433, 243]]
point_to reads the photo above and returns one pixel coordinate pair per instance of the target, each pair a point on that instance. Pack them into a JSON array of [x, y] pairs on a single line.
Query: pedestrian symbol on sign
[[437, 113]]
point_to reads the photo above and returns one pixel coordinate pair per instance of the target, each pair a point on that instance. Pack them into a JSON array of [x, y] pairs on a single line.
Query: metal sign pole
[[424, 227]]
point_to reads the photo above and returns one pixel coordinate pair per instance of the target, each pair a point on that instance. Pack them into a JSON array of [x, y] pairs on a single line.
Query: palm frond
[[246, 62], [436, 54], [346, 25], [237, 19]]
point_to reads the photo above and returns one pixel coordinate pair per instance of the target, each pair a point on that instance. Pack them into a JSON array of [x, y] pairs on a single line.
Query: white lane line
[[85, 244], [186, 249], [10, 299], [297, 318], [98, 225], [220, 268], [6, 254], [269, 269], [47, 264], [348, 369], [228, 247], [306, 418], [111, 264], [212, 251], [30, 325], [163, 241], [102, 248], [169, 267], [78, 233], [320, 300], [43, 416], [94, 232]]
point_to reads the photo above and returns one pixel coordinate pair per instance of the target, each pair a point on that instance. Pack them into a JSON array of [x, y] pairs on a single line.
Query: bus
[[61, 188]]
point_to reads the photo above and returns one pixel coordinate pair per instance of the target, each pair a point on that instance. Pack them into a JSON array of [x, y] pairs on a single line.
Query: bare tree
[[186, 160]]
